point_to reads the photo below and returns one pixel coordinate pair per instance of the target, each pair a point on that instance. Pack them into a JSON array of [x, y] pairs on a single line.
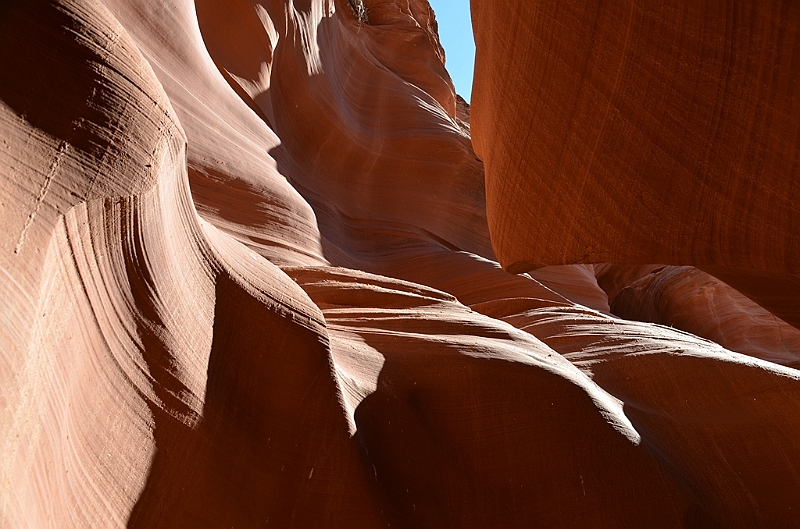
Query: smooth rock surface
[[248, 280], [638, 132], [696, 302]]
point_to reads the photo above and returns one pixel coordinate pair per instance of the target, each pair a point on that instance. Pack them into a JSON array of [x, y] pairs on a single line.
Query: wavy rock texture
[[248, 280], [693, 301]]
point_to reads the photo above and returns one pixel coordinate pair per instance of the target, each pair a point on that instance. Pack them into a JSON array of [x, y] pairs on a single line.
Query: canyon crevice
[[261, 266]]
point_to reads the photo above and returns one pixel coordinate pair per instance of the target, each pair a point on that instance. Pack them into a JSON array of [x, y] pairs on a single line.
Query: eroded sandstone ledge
[[249, 268]]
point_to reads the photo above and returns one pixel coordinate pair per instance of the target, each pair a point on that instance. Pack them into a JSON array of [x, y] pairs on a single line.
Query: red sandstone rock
[[613, 278], [248, 281], [638, 132], [696, 302]]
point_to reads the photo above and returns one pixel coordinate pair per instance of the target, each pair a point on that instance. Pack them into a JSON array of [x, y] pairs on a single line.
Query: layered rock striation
[[249, 268]]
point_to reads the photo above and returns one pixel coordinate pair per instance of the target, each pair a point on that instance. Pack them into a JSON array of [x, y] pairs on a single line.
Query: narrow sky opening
[[455, 34]]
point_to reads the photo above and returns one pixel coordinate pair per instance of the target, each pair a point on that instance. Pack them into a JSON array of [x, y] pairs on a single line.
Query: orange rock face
[[640, 132], [248, 280]]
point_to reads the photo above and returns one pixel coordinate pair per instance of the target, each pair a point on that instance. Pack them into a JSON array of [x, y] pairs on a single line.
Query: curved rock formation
[[249, 281], [693, 301]]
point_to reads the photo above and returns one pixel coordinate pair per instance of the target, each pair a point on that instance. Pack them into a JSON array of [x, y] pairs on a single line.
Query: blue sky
[[455, 33]]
